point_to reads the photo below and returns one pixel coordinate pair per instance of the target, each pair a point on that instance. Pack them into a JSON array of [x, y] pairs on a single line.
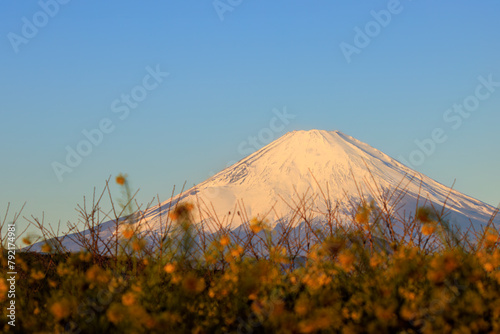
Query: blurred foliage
[[344, 285]]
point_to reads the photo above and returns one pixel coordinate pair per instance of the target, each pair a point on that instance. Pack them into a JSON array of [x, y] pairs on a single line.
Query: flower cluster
[[344, 281]]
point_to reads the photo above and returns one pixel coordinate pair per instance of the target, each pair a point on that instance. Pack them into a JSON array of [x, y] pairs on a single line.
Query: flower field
[[353, 279]]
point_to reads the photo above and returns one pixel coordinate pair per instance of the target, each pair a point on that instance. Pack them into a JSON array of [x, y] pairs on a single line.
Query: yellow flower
[[209, 258], [3, 290], [61, 309], [428, 229], [425, 215], [63, 270], [375, 260], [37, 275], [176, 278], [321, 320], [121, 179], [257, 307], [169, 268], [115, 313], [491, 238], [384, 313], [346, 261], [236, 252], [181, 211], [256, 228], [97, 275], [193, 284], [450, 262], [356, 316], [302, 306], [224, 241], [128, 233], [128, 299], [22, 264], [307, 327], [256, 225], [436, 275], [488, 267], [362, 216], [406, 313], [85, 257], [138, 245], [323, 279], [46, 248]]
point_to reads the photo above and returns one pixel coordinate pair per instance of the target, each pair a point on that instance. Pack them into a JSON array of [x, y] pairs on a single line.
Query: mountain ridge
[[311, 171], [296, 161]]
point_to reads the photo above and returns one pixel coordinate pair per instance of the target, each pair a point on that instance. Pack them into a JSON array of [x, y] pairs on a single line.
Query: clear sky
[[386, 72]]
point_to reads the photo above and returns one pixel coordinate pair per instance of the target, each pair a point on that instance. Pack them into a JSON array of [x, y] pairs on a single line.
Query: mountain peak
[[311, 161], [308, 171], [314, 132]]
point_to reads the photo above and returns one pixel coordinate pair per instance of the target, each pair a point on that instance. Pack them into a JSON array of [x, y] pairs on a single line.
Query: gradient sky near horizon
[[227, 78]]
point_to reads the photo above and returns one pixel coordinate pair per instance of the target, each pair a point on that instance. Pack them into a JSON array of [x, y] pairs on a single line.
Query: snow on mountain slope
[[305, 167], [302, 162]]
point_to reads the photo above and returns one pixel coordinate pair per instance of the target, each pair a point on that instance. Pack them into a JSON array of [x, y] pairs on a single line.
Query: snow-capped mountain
[[312, 163], [315, 169]]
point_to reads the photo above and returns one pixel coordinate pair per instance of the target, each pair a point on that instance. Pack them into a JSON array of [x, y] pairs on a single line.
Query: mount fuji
[[314, 170]]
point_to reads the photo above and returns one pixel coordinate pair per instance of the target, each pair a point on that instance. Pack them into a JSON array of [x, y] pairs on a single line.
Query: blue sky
[[232, 65]]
